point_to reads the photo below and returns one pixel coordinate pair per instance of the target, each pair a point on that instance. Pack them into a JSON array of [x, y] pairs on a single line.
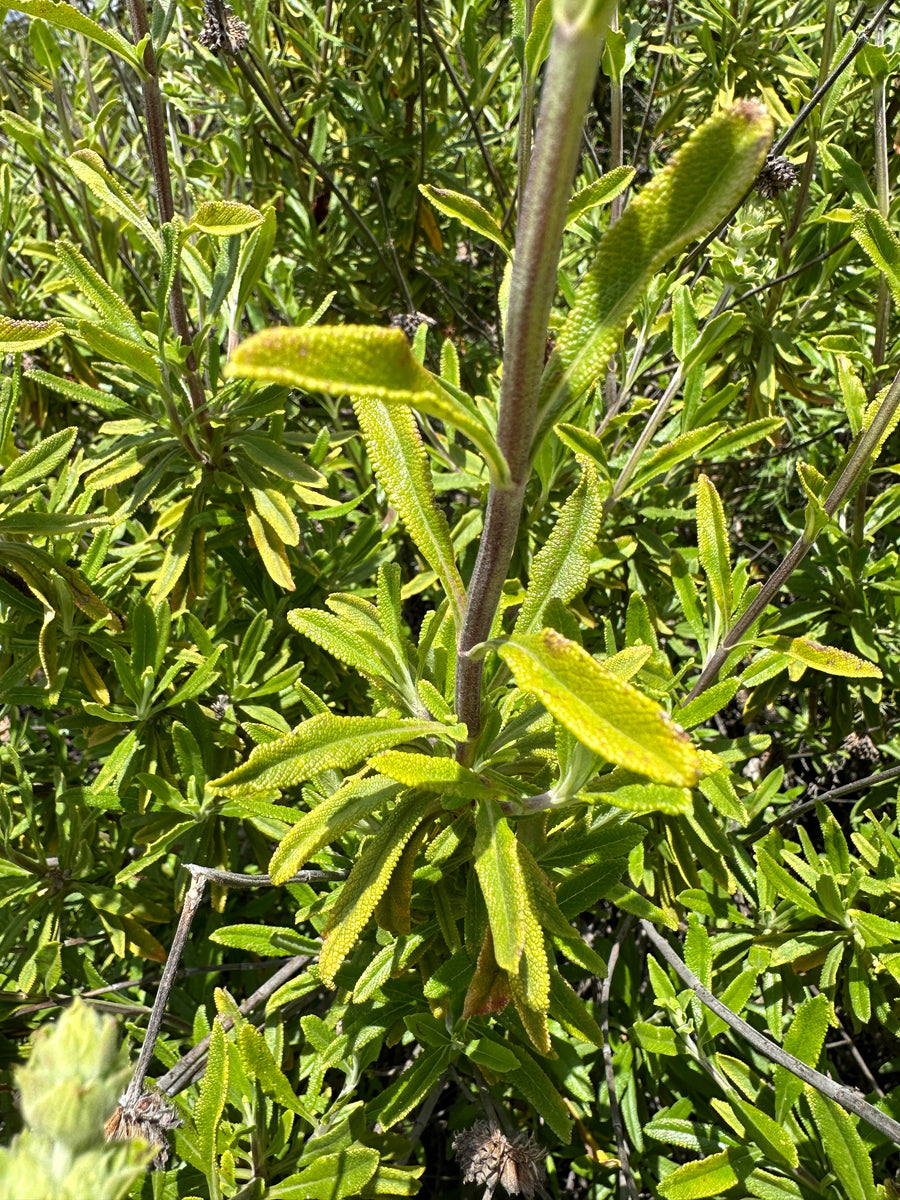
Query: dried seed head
[[410, 322], [219, 38], [149, 1118], [488, 1157], [778, 174], [861, 748]]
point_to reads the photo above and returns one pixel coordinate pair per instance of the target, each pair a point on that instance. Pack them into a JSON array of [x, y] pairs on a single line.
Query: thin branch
[[236, 880], [843, 790], [183, 1073], [191, 903], [848, 1098], [615, 1115]]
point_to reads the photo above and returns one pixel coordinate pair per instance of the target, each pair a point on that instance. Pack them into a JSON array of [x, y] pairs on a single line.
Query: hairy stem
[[571, 71]]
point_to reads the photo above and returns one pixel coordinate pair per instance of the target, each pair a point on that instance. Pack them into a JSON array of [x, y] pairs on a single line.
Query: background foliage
[[152, 549]]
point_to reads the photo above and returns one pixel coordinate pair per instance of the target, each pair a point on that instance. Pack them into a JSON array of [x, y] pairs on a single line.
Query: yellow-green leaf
[[323, 742], [367, 881], [712, 543], [502, 885], [224, 218], [472, 214], [605, 713], [829, 659], [395, 448], [19, 336]]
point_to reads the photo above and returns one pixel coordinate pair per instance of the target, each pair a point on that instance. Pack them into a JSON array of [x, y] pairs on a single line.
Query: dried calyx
[[218, 37], [778, 174], [149, 1118], [488, 1157]]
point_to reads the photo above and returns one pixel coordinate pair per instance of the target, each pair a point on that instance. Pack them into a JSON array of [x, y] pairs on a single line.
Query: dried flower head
[[488, 1157], [410, 322], [149, 1118], [219, 38], [778, 174]]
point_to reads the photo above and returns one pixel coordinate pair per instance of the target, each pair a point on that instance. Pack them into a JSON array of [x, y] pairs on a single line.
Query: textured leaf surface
[[18, 336], [712, 543], [605, 713], [326, 822], [337, 1176], [829, 659], [698, 1180], [91, 170], [848, 1154], [502, 885], [701, 185], [367, 881], [804, 1039], [323, 742], [560, 569], [425, 770], [223, 218], [472, 214], [395, 448], [362, 361], [601, 191], [38, 463]]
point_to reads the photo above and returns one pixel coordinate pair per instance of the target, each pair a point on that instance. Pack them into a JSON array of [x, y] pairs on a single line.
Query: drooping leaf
[[225, 218], [367, 881], [829, 659], [467, 210], [67, 16], [502, 885], [39, 462], [91, 170], [705, 179], [365, 362], [876, 237], [395, 448], [326, 822], [606, 714]]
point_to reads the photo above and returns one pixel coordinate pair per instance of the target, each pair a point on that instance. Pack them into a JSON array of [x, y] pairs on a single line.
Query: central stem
[[571, 71]]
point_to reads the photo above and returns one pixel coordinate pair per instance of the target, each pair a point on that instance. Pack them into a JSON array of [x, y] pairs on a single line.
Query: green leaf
[[395, 448], [472, 214], [326, 822], [804, 1039], [97, 291], [18, 336], [211, 1101], [260, 1064], [338, 1176], [91, 170], [323, 742], [502, 885], [709, 1177], [266, 940], [688, 445], [657, 1039], [412, 1087], [121, 350], [224, 218], [786, 885], [429, 771], [367, 882], [561, 568], [40, 462], [876, 237], [531, 1081], [703, 182], [602, 191], [605, 713], [367, 363], [848, 1154], [712, 542], [829, 659], [66, 16]]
